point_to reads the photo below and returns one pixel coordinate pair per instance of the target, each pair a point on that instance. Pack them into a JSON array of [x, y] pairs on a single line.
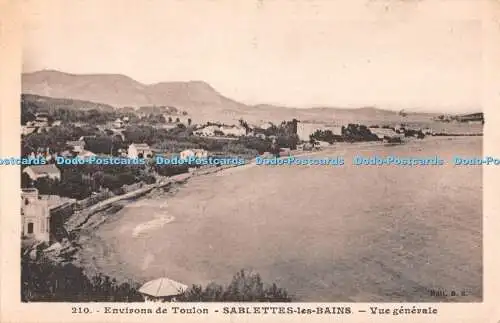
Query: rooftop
[[75, 142], [162, 287], [141, 146], [384, 132], [44, 169]]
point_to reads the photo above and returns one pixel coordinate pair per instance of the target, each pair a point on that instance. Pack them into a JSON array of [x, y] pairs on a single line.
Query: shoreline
[[163, 187], [178, 181], [91, 236]]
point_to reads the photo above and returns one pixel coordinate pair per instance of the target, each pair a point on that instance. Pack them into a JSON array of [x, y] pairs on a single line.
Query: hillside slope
[[197, 98]]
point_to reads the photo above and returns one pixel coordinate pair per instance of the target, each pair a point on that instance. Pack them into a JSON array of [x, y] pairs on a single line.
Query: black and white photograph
[[251, 151]]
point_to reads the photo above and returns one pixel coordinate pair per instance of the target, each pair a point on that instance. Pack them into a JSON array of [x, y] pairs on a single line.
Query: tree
[[325, 135], [45, 281], [47, 186], [244, 124], [246, 286], [356, 132], [99, 145], [26, 180]]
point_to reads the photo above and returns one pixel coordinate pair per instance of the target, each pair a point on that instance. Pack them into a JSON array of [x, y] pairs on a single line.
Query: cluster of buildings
[[387, 134], [35, 172], [75, 148], [142, 150], [471, 118], [221, 130], [305, 129], [40, 123], [120, 123]]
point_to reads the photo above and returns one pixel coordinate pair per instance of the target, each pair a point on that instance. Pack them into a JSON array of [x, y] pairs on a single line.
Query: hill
[[197, 98], [47, 104]]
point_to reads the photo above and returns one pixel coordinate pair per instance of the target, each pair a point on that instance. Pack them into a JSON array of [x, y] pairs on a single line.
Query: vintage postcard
[[250, 160]]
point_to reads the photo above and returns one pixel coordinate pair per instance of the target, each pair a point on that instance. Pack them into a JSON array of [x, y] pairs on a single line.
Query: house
[[65, 154], [236, 131], [196, 153], [266, 155], [41, 116], [471, 118], [386, 134], [284, 152], [398, 128], [306, 129], [223, 130], [118, 123], [208, 131], [35, 216], [41, 120], [307, 146], [26, 130], [139, 151], [266, 125], [122, 152], [322, 144], [428, 131], [76, 145], [85, 154], [38, 171], [83, 138]]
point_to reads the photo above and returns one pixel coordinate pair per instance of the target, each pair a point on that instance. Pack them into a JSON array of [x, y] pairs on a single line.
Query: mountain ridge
[[197, 98]]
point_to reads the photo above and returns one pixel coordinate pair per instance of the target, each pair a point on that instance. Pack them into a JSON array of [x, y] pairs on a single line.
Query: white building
[[38, 171], [304, 129], [84, 154], [139, 151], [428, 131], [118, 124], [266, 125], [233, 130], [385, 134], [322, 144], [76, 145], [213, 130], [208, 131], [26, 130], [196, 153], [35, 216], [83, 138]]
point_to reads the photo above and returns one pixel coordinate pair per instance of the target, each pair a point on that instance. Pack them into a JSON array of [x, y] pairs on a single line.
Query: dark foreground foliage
[[245, 287], [46, 281]]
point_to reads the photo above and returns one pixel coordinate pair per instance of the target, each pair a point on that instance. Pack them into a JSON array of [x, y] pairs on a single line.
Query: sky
[[420, 55]]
